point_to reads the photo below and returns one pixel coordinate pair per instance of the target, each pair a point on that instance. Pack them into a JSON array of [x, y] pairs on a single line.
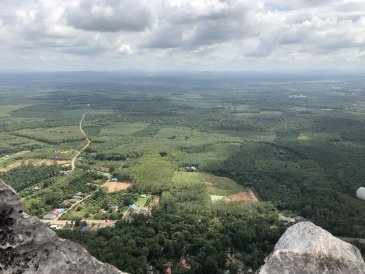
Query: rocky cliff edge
[[27, 246], [308, 249]]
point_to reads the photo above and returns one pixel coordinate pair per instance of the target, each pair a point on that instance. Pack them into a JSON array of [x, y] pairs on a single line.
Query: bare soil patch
[[11, 166], [38, 162], [49, 162], [241, 196], [116, 186]]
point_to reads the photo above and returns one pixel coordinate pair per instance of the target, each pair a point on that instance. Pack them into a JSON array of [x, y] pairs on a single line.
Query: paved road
[[84, 147]]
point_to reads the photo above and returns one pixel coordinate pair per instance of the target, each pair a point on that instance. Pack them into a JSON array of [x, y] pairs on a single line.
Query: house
[[107, 223], [79, 194], [55, 227], [85, 228], [184, 264], [144, 196], [144, 211], [114, 179], [133, 207], [66, 203], [49, 216], [114, 208], [64, 172], [168, 270], [299, 219], [60, 210], [191, 168], [93, 228], [53, 214]]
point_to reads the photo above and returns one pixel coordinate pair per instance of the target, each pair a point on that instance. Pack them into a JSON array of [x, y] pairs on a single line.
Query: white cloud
[[222, 33], [110, 15]]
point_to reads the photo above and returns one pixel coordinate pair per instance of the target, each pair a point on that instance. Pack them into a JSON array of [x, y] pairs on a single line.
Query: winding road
[[84, 147]]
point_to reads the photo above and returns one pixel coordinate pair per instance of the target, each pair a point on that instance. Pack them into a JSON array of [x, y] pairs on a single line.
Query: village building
[[300, 219], [65, 172], [53, 214], [133, 207], [184, 264], [85, 228], [66, 203], [142, 211], [50, 216], [114, 208], [191, 168], [108, 223]]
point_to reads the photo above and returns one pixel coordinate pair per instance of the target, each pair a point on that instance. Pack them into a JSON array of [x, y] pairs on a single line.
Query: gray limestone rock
[[28, 246], [308, 249]]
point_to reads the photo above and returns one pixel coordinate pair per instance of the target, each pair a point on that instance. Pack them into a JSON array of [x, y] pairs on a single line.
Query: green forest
[[211, 159]]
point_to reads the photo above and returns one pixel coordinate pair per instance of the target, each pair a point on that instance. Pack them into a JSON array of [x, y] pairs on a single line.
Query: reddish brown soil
[[241, 196], [116, 186]]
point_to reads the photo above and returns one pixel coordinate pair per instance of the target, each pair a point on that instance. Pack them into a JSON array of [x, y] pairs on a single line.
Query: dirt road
[[84, 147]]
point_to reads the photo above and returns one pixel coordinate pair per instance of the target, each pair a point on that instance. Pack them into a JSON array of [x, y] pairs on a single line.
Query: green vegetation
[[23, 177], [299, 145]]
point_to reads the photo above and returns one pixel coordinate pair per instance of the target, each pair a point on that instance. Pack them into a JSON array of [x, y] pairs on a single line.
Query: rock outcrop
[[360, 193], [28, 246], [306, 248]]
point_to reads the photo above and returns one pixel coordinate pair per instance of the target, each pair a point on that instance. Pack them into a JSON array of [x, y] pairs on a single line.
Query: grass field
[[215, 185]]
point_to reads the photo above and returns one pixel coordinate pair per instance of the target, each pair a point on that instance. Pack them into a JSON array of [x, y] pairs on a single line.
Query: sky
[[231, 35]]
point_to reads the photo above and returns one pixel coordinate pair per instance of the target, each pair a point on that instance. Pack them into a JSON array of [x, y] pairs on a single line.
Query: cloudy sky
[[182, 34]]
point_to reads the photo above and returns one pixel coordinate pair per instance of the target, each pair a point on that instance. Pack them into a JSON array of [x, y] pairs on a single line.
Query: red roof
[[184, 263], [66, 203], [168, 270]]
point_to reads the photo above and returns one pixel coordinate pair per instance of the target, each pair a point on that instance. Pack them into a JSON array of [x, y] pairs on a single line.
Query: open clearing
[[241, 196], [216, 185], [38, 162], [216, 198], [116, 186]]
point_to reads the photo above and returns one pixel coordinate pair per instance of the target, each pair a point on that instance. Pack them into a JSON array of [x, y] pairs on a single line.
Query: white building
[[360, 193]]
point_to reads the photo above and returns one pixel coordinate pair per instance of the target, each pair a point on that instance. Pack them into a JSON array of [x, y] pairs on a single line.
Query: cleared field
[[242, 196], [10, 166], [122, 129], [216, 185], [37, 162], [303, 136], [5, 110], [116, 186], [55, 135]]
